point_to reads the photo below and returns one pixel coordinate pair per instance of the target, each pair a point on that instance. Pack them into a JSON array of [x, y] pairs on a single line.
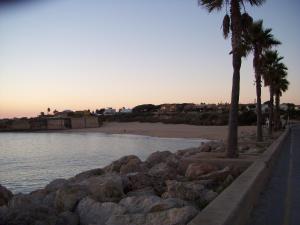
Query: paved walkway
[[279, 204]]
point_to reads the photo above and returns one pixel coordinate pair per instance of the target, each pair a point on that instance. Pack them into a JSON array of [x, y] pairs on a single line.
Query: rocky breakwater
[[160, 190]]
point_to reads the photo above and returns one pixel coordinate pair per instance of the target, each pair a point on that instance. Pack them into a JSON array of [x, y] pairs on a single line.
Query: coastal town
[[68, 119]]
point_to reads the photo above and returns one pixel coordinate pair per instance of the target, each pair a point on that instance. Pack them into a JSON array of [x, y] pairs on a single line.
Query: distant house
[[124, 110], [284, 107], [64, 113], [109, 111], [168, 108]]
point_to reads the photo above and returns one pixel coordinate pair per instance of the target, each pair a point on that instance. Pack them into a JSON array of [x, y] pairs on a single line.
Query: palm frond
[[226, 26], [212, 4], [246, 21], [255, 2]]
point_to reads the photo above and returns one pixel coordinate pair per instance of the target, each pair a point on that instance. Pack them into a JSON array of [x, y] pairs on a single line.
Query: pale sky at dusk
[[88, 54]]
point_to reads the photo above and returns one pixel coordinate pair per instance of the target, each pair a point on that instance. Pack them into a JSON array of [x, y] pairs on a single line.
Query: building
[[109, 111], [124, 110]]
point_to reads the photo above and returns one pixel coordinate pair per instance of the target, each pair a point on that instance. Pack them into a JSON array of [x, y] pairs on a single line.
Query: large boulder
[[29, 214], [97, 213], [136, 181], [189, 191], [139, 204], [218, 175], [67, 218], [5, 195], [56, 184], [157, 157], [67, 197], [87, 174], [105, 188], [128, 163], [163, 171], [172, 216], [133, 165], [148, 204], [195, 170], [147, 191]]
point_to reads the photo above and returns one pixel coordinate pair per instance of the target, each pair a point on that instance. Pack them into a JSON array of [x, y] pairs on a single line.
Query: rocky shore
[[167, 188]]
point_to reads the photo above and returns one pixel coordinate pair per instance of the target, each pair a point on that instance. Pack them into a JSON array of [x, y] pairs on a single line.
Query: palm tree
[[272, 70], [281, 86], [235, 23], [259, 39]]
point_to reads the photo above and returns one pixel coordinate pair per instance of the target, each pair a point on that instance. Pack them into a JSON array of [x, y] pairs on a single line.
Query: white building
[[109, 111], [124, 110]]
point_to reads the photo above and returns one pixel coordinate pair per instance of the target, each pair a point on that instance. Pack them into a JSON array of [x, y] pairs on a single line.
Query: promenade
[[279, 204]]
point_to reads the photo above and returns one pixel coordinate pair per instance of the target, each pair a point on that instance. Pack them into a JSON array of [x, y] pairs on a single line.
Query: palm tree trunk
[[271, 110], [232, 141], [259, 135], [277, 112]]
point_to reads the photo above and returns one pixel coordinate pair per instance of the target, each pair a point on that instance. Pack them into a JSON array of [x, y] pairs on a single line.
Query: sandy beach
[[168, 130]]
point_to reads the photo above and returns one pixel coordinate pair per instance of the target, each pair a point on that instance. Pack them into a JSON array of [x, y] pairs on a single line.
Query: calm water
[[30, 160]]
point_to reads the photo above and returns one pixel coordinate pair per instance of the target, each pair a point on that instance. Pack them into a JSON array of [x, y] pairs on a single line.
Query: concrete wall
[[233, 206], [55, 124], [91, 122], [77, 123], [20, 125]]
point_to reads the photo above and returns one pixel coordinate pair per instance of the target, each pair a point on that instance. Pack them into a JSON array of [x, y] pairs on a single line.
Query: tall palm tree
[[259, 39], [272, 69], [281, 86], [234, 23]]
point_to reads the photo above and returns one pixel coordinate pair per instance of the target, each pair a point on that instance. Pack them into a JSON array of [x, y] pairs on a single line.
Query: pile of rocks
[[160, 190]]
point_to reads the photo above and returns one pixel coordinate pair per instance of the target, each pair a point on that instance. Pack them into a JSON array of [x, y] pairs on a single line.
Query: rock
[[218, 175], [165, 204], [163, 171], [49, 199], [157, 157], [29, 214], [20, 201], [196, 170], [173, 216], [5, 195], [136, 181], [87, 174], [141, 192], [92, 212], [56, 184], [189, 191], [205, 148], [38, 196], [173, 161], [67, 198], [67, 218], [139, 204], [209, 196], [229, 179], [132, 165], [117, 165], [147, 191], [108, 187], [188, 152]]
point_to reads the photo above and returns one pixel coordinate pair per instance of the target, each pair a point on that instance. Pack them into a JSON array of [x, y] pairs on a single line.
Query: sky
[[89, 54]]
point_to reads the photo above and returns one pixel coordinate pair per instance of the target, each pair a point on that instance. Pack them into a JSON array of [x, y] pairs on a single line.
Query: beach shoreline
[[166, 130]]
